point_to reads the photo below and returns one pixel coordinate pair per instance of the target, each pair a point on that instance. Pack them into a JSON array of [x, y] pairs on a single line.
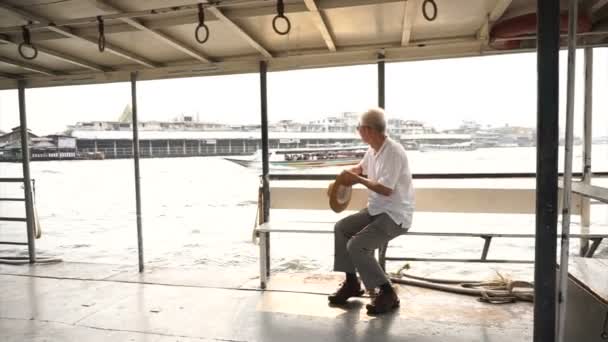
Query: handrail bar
[[292, 176]]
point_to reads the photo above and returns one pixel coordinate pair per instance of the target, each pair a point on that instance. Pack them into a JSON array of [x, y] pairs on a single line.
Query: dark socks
[[351, 278], [386, 287]]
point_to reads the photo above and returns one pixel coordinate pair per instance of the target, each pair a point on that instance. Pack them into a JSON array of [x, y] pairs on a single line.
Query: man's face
[[364, 131]]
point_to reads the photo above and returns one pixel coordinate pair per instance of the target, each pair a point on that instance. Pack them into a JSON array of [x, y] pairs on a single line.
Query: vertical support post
[[150, 148], [229, 146], [587, 136], [381, 80], [140, 243], [27, 179], [199, 147], [184, 146], [115, 150], [546, 170], [265, 165], [168, 148], [567, 186], [95, 145]]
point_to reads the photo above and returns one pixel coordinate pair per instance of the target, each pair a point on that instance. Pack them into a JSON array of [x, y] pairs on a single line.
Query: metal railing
[[12, 199]]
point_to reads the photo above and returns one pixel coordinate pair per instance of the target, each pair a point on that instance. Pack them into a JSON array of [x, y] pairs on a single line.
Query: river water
[[199, 213]]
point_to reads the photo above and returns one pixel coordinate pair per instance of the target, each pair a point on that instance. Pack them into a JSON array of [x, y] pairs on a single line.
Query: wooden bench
[[489, 200]]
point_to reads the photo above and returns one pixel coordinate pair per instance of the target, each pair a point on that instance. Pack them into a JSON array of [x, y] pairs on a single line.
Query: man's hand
[[349, 177], [356, 169]]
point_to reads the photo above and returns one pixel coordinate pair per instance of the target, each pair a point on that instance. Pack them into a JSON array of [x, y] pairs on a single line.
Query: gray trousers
[[356, 237]]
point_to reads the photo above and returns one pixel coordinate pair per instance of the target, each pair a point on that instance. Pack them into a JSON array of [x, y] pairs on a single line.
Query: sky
[[492, 90]]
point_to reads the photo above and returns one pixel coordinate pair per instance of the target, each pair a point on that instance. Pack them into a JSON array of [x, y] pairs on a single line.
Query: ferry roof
[[157, 37]]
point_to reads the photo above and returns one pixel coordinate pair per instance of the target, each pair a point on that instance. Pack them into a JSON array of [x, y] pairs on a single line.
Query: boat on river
[[305, 157]]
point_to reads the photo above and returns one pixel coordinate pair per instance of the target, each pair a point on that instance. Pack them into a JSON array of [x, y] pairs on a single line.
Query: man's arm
[[370, 184]]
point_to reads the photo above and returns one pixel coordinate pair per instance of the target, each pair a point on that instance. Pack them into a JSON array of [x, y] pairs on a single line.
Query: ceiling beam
[[67, 32], [58, 55], [321, 24], [28, 66], [497, 12], [409, 16], [598, 5], [244, 35], [136, 23], [9, 76]]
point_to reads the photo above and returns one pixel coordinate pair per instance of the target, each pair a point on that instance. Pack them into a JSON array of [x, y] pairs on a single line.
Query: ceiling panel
[[59, 10], [377, 24], [145, 45], [454, 19], [84, 50], [43, 60], [303, 34], [222, 42], [141, 5]]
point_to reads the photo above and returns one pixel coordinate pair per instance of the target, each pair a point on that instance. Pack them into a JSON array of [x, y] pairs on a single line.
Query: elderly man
[[388, 214]]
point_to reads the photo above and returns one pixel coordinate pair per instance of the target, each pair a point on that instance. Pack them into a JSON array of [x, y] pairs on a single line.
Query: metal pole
[[546, 169], [264, 114], [27, 180], [140, 242], [587, 135], [265, 166], [381, 81], [567, 193]]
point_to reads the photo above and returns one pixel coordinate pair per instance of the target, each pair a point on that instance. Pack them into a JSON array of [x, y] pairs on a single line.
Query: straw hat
[[339, 192]]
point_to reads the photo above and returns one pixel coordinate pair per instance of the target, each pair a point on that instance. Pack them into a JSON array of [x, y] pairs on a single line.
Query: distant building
[[41, 148], [399, 127]]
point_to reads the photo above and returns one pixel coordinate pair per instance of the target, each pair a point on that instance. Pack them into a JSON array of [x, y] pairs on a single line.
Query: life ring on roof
[[525, 25]]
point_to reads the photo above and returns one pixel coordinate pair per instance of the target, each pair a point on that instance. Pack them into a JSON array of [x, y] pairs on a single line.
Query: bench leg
[[593, 248], [486, 247], [264, 271]]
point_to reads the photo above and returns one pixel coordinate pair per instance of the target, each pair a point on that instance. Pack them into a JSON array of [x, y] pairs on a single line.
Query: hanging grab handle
[[101, 39], [27, 42], [201, 25], [425, 10], [281, 15]]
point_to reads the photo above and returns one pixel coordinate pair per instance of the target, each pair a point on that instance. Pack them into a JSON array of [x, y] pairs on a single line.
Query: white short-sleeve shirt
[[389, 166]]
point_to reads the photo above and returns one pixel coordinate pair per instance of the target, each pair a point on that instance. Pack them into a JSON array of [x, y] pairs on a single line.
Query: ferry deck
[[46, 44]]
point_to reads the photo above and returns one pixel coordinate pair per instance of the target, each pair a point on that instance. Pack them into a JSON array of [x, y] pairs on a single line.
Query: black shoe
[[345, 291], [383, 302]]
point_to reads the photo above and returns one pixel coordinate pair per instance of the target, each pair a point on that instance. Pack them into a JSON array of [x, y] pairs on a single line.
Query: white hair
[[374, 118]]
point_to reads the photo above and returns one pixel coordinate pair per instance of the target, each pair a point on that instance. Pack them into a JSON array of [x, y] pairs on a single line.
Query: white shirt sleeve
[[364, 163], [389, 171]]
